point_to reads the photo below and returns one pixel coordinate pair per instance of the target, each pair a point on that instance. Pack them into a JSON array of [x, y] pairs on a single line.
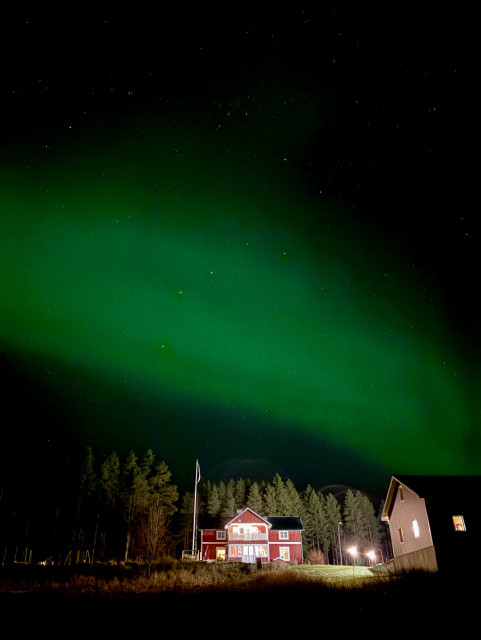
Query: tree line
[[130, 509]]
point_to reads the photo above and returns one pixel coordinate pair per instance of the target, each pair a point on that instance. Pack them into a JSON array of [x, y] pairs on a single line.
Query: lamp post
[[339, 538], [354, 553], [372, 556]]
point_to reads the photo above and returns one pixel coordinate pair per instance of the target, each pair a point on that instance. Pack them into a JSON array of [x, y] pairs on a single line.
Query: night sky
[[243, 236]]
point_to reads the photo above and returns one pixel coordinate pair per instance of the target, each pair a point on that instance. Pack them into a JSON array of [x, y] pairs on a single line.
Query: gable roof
[[285, 523], [276, 523], [211, 523], [247, 516], [449, 492]]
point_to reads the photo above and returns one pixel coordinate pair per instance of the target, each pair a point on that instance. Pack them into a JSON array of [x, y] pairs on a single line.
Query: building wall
[[211, 543], [275, 547], [277, 551], [424, 559], [409, 524]]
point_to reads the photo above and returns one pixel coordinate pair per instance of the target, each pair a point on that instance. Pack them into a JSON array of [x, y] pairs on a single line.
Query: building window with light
[[459, 524], [284, 553], [416, 529]]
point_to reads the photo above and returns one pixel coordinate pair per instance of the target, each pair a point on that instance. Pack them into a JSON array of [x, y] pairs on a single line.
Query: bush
[[316, 556]]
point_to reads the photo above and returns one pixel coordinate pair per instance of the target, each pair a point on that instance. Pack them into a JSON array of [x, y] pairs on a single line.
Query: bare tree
[[153, 534]]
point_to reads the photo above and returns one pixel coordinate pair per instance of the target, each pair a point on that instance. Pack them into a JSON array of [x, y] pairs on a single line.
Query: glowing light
[[178, 274], [371, 555]]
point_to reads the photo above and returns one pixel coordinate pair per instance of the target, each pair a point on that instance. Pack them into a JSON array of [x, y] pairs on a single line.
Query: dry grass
[[189, 592], [175, 576]]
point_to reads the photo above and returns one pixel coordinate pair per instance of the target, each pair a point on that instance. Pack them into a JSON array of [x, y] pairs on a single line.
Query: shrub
[[316, 556]]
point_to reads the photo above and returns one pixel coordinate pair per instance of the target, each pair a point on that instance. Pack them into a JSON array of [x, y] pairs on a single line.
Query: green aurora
[[171, 266]]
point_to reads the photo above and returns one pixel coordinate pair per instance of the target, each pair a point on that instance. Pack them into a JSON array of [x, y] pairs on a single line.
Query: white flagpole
[[194, 524]]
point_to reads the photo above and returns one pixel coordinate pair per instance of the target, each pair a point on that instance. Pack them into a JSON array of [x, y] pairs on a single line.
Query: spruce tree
[[330, 530], [270, 506], [362, 525], [228, 509], [213, 503], [293, 501], [240, 494], [282, 506], [255, 500]]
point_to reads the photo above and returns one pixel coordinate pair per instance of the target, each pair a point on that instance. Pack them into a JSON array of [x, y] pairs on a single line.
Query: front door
[[248, 553]]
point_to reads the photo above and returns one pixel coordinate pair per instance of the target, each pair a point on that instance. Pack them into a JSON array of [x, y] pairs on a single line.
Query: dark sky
[[243, 236]]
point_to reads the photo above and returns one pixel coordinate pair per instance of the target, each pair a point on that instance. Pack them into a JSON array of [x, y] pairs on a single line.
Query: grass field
[[191, 596], [336, 573]]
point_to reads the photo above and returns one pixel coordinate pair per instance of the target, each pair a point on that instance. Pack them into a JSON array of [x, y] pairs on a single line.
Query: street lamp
[[354, 553], [372, 556]]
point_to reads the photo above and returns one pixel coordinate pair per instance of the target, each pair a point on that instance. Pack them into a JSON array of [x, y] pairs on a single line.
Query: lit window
[[401, 534], [459, 523], [284, 553], [416, 528], [284, 535]]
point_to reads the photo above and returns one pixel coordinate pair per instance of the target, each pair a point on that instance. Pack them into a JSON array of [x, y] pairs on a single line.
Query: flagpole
[[194, 524]]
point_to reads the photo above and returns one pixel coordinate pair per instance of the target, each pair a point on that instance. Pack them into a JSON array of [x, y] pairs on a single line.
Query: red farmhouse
[[251, 538]]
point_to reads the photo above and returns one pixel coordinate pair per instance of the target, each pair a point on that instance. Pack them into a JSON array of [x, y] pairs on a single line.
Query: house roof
[[208, 523], [276, 523], [285, 523], [448, 491], [241, 517]]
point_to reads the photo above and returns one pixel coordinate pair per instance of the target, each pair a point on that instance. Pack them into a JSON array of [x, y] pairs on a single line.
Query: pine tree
[[153, 536], [293, 501], [255, 500], [163, 493], [186, 520], [109, 480], [240, 494], [213, 503], [109, 494], [228, 509], [282, 506], [85, 516], [362, 526], [270, 507], [330, 530], [221, 491], [135, 496], [314, 519]]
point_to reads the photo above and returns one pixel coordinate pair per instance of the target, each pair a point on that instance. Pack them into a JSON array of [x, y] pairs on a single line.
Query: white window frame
[[283, 535], [287, 552]]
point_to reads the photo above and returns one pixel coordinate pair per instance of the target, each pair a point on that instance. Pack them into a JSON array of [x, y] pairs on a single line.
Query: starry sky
[[242, 237]]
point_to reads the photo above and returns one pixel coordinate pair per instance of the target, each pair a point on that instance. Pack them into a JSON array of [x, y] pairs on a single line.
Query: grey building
[[434, 521]]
